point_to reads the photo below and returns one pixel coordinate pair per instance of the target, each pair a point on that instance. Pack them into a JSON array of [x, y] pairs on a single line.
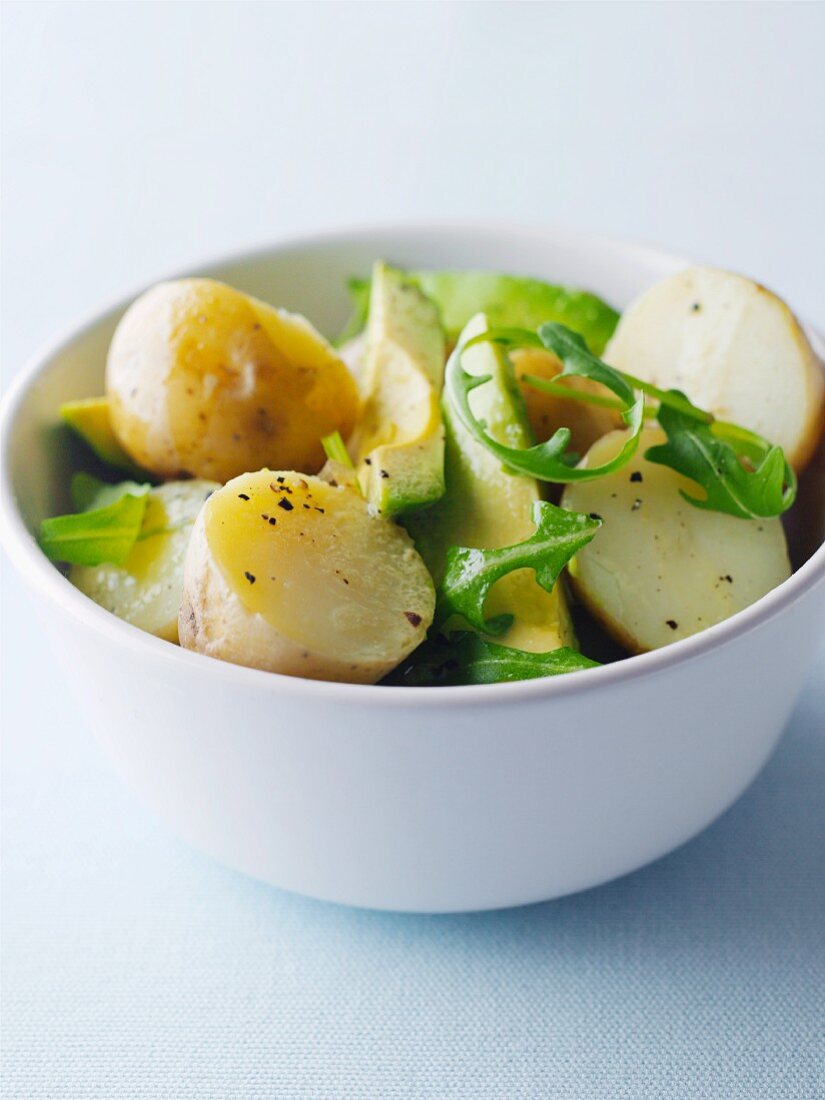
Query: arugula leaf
[[469, 659], [471, 572], [548, 461], [104, 530], [511, 300], [701, 452]]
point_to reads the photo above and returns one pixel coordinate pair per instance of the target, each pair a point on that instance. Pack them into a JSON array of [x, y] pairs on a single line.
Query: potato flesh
[[734, 348], [326, 574], [146, 590], [205, 380], [661, 569]]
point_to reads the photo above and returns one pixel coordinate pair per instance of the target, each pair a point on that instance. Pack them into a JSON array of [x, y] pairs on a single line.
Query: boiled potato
[[546, 412], [660, 569], [734, 348], [296, 575], [206, 381], [146, 590]]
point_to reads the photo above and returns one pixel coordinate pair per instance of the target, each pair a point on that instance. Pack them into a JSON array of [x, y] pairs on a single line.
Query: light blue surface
[[140, 137], [136, 968]]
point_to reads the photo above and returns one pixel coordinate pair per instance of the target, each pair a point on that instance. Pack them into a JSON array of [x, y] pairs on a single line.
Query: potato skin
[[660, 569], [331, 584], [206, 381]]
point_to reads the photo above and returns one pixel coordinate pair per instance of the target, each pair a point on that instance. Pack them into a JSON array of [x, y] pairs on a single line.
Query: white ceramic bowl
[[433, 799]]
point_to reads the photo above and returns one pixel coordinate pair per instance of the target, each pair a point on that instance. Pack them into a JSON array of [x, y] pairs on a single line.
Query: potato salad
[[484, 478]]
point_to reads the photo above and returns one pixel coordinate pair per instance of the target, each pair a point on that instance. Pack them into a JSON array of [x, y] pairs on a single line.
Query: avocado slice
[[398, 445], [486, 507], [90, 419], [511, 301]]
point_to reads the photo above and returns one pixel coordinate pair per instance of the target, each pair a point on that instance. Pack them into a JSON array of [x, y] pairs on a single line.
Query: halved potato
[[734, 348], [146, 590], [205, 380], [296, 575], [547, 412], [660, 569]]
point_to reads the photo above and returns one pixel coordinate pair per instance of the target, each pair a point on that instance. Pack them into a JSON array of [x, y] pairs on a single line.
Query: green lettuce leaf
[[470, 659], [507, 300], [106, 527], [471, 572], [89, 493]]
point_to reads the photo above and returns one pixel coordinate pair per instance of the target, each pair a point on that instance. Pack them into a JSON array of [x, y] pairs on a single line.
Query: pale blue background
[[141, 138]]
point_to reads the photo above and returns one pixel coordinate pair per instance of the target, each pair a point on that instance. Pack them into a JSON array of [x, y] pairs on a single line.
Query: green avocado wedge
[[398, 446], [486, 507], [506, 300], [89, 418]]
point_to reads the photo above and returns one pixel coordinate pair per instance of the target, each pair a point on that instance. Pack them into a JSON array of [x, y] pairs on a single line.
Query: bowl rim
[[52, 584]]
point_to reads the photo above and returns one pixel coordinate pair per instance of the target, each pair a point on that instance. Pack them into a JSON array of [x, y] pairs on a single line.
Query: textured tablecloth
[[136, 968]]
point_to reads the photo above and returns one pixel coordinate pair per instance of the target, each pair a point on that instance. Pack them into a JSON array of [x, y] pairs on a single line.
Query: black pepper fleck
[[384, 473], [368, 462], [636, 476], [285, 504], [250, 577], [595, 515], [636, 505], [672, 624], [695, 307], [243, 496], [272, 521]]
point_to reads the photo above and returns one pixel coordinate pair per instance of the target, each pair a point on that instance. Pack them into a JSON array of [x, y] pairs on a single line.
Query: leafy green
[[336, 450], [471, 572], [89, 493], [105, 528], [470, 659], [548, 461], [507, 300], [359, 290], [701, 452]]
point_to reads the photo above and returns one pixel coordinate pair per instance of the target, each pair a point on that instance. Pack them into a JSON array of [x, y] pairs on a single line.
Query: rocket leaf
[[472, 572], [470, 659]]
